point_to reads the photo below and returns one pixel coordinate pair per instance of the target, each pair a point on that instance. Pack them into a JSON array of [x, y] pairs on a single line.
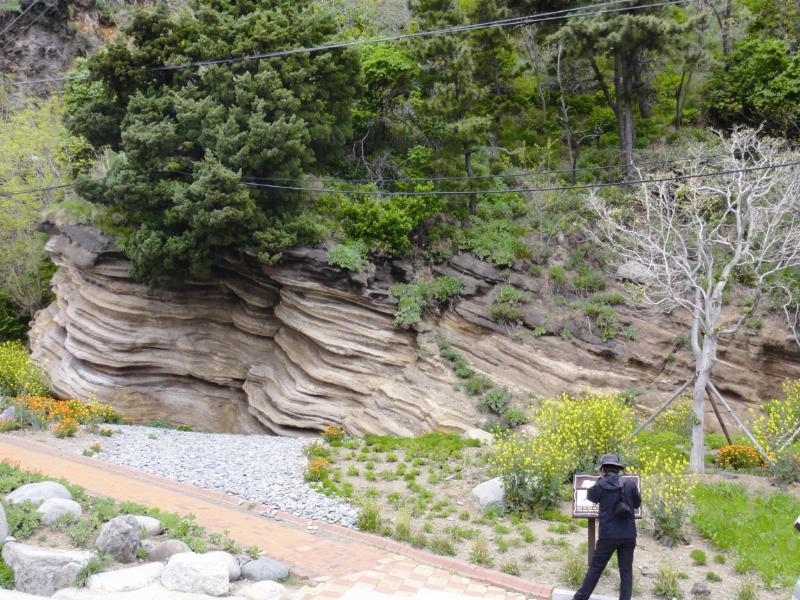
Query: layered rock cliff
[[300, 345]]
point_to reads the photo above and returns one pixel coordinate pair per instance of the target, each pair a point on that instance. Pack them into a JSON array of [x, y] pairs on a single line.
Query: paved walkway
[[337, 561]]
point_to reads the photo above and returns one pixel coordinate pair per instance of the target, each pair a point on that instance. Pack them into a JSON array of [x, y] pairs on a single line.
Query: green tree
[[451, 105], [185, 138], [759, 85], [619, 43], [36, 152]]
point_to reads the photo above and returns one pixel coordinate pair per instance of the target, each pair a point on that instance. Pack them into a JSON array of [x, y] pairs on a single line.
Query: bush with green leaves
[[588, 281], [495, 400], [349, 255], [414, 298], [507, 305]]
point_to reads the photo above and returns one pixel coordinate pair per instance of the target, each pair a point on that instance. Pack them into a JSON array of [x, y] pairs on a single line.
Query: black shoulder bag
[[622, 510]]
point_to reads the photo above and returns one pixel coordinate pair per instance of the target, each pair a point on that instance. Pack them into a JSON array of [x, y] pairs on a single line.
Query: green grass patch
[[758, 531]]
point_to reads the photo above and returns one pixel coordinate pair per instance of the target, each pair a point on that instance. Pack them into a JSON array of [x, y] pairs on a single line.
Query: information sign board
[[583, 508]]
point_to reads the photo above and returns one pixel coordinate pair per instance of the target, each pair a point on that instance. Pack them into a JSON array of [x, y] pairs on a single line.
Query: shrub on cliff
[[186, 138]]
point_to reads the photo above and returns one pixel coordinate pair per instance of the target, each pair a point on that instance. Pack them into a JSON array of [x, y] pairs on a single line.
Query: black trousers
[[602, 554]]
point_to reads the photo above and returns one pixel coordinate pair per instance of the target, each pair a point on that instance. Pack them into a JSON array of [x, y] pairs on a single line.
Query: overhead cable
[[569, 13]]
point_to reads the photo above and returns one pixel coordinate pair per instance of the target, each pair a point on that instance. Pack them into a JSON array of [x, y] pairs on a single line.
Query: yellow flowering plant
[[574, 431], [18, 375], [666, 490], [779, 419]]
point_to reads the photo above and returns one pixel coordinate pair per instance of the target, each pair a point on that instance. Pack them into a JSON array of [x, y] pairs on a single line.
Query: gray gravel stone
[[258, 468]]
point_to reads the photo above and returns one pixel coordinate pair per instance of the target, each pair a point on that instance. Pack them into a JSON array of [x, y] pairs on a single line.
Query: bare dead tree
[[690, 237]]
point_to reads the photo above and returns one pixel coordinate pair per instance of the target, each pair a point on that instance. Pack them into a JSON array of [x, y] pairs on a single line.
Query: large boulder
[[3, 524], [120, 538], [265, 569], [196, 574], [149, 526], [125, 580], [264, 590], [51, 510], [227, 559], [38, 492], [489, 493], [164, 550], [43, 571]]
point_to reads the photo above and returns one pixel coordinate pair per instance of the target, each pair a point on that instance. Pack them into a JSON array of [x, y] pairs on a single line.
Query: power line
[[37, 190], [500, 175], [597, 185], [561, 188], [29, 25], [22, 14], [577, 12]]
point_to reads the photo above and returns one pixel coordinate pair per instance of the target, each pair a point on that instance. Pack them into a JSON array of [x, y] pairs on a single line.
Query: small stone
[[52, 509], [9, 415], [148, 525], [166, 549], [196, 574], [488, 493], [796, 592], [265, 569], [730, 476], [484, 437], [3, 525], [125, 580], [120, 538], [264, 590], [647, 571], [38, 492], [701, 589], [227, 559]]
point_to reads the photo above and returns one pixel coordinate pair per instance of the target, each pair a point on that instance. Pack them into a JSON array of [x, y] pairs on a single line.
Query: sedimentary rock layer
[[298, 346]]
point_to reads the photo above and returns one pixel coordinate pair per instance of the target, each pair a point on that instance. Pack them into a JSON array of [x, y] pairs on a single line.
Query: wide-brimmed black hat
[[612, 460]]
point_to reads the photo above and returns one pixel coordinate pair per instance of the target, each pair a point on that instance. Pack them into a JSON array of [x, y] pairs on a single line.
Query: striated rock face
[[297, 346]]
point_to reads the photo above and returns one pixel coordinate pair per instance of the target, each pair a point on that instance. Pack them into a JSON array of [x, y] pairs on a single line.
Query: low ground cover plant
[[65, 416], [24, 520], [757, 530]]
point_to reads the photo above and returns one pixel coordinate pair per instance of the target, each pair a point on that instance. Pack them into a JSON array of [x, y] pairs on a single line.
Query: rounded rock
[[265, 569], [38, 492], [51, 510]]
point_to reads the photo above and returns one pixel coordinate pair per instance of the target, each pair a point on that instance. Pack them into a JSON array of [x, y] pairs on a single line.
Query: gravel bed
[[258, 468]]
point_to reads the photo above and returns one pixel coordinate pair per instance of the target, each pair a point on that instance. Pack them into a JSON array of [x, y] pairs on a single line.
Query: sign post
[[583, 508]]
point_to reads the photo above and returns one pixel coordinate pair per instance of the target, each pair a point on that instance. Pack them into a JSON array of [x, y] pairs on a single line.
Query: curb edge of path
[[454, 565]]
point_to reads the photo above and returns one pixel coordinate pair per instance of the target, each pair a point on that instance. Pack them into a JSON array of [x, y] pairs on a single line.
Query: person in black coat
[[617, 530]]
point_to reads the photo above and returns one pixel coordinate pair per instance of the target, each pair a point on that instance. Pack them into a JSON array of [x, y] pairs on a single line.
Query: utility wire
[[37, 190], [22, 14], [561, 188], [597, 185], [577, 12], [29, 25]]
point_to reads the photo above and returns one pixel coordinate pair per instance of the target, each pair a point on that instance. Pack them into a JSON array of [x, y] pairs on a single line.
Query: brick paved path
[[338, 562]]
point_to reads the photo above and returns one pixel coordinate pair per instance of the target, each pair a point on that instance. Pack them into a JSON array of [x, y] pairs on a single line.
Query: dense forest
[[209, 129]]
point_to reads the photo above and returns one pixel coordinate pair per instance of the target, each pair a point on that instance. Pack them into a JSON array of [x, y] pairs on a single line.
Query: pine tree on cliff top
[[184, 138]]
